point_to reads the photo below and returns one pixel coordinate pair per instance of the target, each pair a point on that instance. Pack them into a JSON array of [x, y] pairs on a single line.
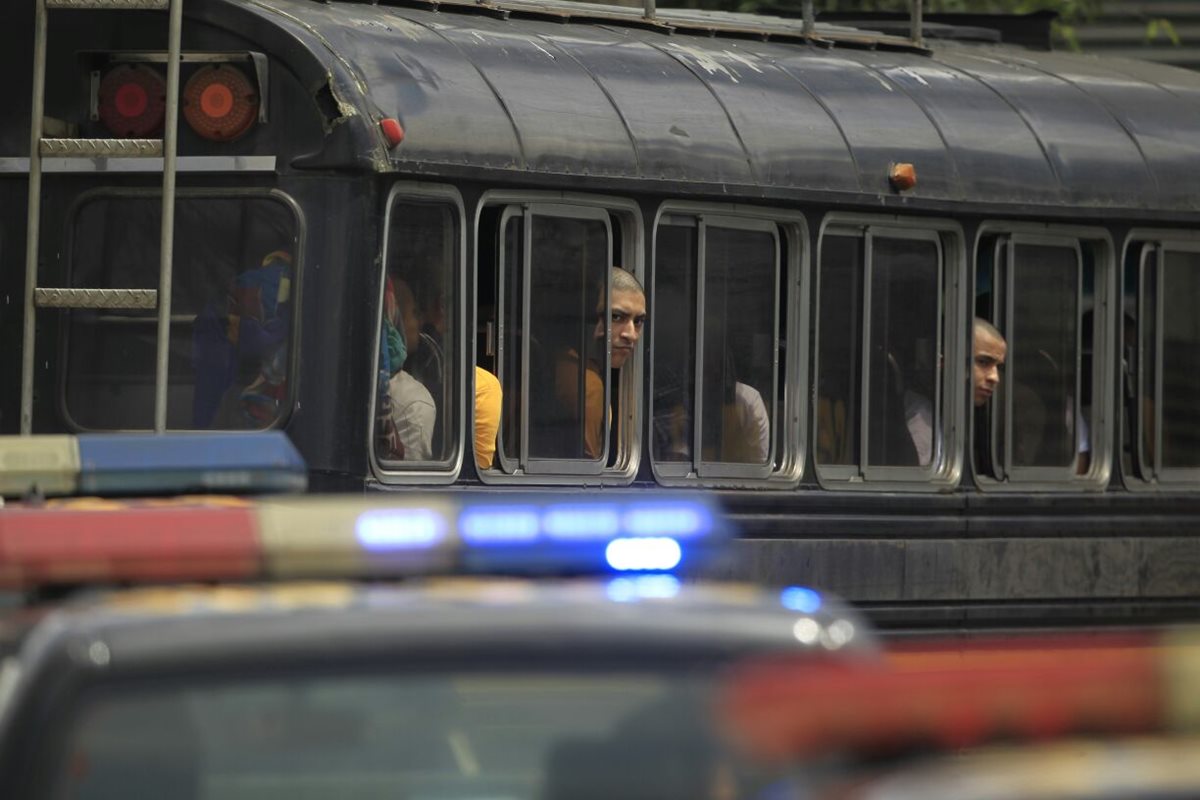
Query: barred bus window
[[1162, 321], [674, 341], [560, 404], [415, 415], [717, 346], [879, 374], [232, 299], [1038, 290]]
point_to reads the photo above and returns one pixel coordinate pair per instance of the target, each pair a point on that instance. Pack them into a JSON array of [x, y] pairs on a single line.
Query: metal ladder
[[41, 147]]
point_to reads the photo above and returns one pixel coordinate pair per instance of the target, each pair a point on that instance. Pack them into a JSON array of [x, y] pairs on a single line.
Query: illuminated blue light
[[589, 522], [643, 587], [499, 525], [644, 553], [680, 520], [798, 598], [399, 528]]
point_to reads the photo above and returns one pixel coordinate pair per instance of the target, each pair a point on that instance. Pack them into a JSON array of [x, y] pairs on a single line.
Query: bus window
[[717, 346], [1162, 336], [555, 302], [1038, 290], [415, 410], [232, 296], [880, 373]]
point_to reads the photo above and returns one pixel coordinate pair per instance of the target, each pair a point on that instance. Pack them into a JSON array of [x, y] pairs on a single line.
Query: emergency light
[[82, 540], [137, 463]]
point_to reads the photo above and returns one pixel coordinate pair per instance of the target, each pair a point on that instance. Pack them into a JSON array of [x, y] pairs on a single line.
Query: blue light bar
[[385, 529], [643, 553], [582, 522], [145, 464], [621, 533], [798, 598], [679, 520], [642, 587], [500, 524]]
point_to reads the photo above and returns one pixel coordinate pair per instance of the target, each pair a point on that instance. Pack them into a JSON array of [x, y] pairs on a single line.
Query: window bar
[[774, 421], [1078, 397], [698, 378], [1010, 302], [526, 323], [864, 375], [1160, 269], [1145, 470]]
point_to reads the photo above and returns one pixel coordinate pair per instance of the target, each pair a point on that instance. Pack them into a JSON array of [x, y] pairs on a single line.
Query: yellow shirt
[[488, 401], [567, 389]]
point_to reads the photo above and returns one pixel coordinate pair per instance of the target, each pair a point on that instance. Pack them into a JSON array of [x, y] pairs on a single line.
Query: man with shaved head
[[990, 351]]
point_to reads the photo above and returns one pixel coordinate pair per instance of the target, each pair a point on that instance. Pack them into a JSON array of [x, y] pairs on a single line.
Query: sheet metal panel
[[563, 119], [980, 122], [790, 139], [680, 130], [1096, 161]]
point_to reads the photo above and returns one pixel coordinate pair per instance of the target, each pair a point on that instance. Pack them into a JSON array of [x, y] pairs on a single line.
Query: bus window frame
[[63, 322], [789, 229], [944, 470], [1099, 240], [627, 215], [419, 192], [1153, 476]]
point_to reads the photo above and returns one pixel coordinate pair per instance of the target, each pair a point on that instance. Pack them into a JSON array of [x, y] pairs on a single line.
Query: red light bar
[[103, 540], [951, 696]]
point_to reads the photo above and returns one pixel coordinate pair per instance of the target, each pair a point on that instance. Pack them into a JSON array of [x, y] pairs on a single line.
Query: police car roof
[[630, 619]]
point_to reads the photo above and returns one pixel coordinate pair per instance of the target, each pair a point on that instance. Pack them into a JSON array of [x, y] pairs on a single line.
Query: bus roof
[[752, 111]]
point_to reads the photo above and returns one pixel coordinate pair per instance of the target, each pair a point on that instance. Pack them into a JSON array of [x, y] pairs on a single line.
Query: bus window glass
[[740, 345], [1180, 366], [232, 296], [552, 265], [904, 371], [674, 342], [568, 362], [415, 419], [840, 353], [1043, 369]]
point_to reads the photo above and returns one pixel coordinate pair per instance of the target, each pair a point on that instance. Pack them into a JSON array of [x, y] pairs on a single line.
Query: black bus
[[375, 206]]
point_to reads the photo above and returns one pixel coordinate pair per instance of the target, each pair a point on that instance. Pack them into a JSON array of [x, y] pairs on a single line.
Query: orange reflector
[[132, 100], [902, 176], [391, 131], [219, 103]]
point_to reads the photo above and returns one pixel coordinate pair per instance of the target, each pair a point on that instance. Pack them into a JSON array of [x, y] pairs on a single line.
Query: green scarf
[[397, 353]]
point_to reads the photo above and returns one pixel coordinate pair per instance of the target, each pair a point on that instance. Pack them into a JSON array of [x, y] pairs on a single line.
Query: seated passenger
[[249, 327], [489, 399], [413, 412], [628, 309]]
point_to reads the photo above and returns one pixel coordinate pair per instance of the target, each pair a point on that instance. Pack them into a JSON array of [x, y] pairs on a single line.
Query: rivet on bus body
[[391, 131], [902, 176]]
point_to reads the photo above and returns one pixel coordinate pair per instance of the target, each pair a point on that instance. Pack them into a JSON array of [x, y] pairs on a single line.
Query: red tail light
[[219, 103], [133, 100]]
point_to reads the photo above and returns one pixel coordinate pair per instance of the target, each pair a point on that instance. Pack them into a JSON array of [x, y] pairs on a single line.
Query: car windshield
[[477, 734]]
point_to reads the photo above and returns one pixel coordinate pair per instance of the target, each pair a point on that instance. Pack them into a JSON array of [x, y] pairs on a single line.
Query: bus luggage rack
[[118, 299], [110, 5], [101, 148]]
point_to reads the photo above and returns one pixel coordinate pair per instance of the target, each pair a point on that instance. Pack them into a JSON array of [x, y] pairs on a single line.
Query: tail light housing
[[132, 100], [219, 102]]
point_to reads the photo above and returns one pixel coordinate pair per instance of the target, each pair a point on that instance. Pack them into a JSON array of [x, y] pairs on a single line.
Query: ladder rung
[[110, 5], [100, 148], [96, 298]]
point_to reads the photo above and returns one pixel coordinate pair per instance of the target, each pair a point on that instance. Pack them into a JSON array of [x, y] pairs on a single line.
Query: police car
[[450, 645]]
